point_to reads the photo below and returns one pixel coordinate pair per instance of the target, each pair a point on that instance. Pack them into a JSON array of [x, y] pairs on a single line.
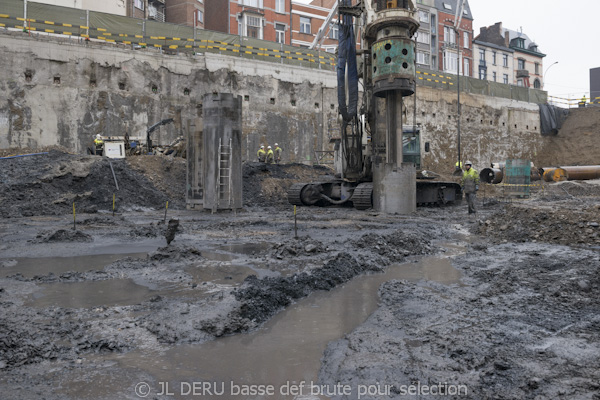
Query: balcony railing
[[522, 73]]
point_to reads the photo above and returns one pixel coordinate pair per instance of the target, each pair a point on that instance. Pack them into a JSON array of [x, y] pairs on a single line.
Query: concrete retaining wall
[[63, 93]]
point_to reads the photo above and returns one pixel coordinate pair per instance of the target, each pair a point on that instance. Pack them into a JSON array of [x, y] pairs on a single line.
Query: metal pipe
[[491, 175], [583, 172], [554, 174]]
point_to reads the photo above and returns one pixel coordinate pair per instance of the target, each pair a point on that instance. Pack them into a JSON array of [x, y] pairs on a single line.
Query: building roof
[[493, 45], [530, 46], [449, 6]]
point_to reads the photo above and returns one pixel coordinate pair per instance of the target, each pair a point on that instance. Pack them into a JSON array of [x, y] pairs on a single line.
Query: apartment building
[[427, 35], [528, 60], [261, 19], [494, 57], [307, 19], [186, 12], [451, 42], [118, 7], [144, 9]]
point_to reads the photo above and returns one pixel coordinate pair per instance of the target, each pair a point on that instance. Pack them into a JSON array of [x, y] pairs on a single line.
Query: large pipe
[[491, 175], [581, 173], [554, 174]]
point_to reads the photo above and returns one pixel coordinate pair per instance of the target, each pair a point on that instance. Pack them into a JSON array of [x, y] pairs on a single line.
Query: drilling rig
[[372, 172]]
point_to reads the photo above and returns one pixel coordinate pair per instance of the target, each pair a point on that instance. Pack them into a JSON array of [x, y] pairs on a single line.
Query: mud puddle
[[286, 350], [30, 267], [112, 292]]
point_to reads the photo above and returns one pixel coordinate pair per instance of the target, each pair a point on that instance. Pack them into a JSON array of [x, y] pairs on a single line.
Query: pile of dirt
[[562, 225], [49, 184], [266, 185]]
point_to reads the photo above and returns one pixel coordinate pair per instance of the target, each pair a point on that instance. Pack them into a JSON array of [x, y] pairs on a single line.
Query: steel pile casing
[[583, 172], [491, 175], [554, 174]]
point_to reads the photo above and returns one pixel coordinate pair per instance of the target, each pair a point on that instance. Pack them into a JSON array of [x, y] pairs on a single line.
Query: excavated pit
[[502, 303]]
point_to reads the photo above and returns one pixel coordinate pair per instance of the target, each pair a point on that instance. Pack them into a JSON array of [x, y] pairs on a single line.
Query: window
[[423, 37], [494, 57], [305, 25], [466, 40], [200, 15], [537, 84], [280, 6], [280, 33], [433, 28], [537, 68], [521, 43], [494, 76], [482, 74], [139, 4], [520, 82], [252, 3], [450, 61], [482, 57], [423, 16], [521, 63], [467, 70], [447, 6], [334, 31], [505, 60], [505, 79], [422, 58], [254, 26], [449, 35]]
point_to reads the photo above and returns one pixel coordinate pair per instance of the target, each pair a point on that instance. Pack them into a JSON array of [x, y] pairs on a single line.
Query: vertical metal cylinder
[[222, 151]]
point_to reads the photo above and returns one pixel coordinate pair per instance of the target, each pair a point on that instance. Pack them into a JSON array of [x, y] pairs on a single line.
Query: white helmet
[[262, 147], [276, 144], [468, 163], [98, 136], [268, 147]]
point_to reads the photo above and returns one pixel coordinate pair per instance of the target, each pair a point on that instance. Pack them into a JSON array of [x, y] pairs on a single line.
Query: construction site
[[148, 251]]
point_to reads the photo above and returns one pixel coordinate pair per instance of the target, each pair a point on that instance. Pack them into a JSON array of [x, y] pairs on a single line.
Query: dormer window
[[447, 6]]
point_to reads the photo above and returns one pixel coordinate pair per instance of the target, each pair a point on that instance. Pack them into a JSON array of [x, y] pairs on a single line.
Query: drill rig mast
[[373, 174]]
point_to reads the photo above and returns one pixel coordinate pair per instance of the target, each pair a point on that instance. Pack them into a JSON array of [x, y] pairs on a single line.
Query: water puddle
[[30, 267], [225, 274], [112, 292], [246, 248], [288, 348]]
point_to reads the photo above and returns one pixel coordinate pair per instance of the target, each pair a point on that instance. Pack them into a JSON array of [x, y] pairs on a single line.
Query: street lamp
[[544, 76]]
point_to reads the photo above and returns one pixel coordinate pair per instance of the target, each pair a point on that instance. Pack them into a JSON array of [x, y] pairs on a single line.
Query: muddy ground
[[78, 304]]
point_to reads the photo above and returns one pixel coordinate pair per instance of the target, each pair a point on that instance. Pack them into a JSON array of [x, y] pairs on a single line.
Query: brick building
[[186, 12], [450, 42], [260, 19]]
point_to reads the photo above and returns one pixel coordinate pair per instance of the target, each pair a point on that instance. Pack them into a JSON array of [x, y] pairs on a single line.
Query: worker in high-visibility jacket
[[262, 154], [99, 145], [470, 185], [277, 154], [270, 155]]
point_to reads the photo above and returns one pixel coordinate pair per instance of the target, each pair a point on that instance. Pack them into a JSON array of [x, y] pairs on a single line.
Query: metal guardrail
[[573, 102]]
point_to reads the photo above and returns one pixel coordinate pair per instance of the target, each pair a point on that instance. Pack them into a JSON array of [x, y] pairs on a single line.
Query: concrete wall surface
[[64, 93]]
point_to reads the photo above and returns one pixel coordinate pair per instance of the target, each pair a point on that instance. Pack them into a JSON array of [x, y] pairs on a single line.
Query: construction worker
[[270, 156], [583, 101], [470, 185], [261, 154], [277, 154], [99, 145]]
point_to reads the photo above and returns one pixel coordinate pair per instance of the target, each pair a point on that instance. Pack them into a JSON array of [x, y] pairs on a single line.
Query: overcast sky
[[566, 31]]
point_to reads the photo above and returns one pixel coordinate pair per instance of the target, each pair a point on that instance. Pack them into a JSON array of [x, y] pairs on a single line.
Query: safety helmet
[[262, 147], [98, 136], [268, 147], [276, 144], [468, 163]]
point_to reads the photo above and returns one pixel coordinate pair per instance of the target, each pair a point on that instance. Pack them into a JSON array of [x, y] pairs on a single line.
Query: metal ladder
[[224, 187]]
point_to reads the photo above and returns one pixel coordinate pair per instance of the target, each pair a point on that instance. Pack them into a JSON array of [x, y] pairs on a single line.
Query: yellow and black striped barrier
[[186, 43]]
